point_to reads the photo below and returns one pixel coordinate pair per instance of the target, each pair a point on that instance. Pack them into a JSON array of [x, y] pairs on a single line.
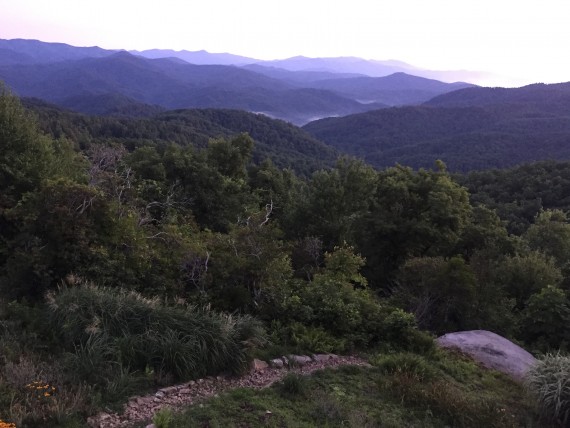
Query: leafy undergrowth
[[400, 390]]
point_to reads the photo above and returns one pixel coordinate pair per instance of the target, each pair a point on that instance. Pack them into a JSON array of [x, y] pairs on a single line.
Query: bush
[[163, 418], [411, 364], [398, 328], [293, 385], [299, 338], [549, 381], [107, 326]]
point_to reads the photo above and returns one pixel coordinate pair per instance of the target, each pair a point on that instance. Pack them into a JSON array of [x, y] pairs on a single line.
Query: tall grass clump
[[549, 381], [123, 328]]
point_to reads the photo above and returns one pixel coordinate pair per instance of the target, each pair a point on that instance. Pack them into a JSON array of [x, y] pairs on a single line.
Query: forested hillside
[[473, 128], [125, 245], [286, 145]]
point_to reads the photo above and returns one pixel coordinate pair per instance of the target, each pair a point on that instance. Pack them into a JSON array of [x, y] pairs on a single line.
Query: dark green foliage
[[413, 214], [440, 293], [545, 320], [337, 202], [293, 385], [518, 194], [302, 339], [550, 234], [104, 325], [283, 143], [25, 155], [526, 274]]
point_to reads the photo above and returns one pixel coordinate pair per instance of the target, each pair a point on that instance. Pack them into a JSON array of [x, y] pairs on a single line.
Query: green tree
[[230, 157], [248, 264], [58, 228], [526, 274], [550, 234], [545, 320], [280, 187], [337, 202], [212, 183], [414, 214], [439, 292], [25, 154]]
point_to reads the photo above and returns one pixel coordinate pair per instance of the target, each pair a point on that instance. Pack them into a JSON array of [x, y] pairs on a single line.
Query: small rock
[[144, 400], [168, 390], [200, 381], [258, 365], [192, 383], [184, 391], [277, 363], [151, 426], [219, 378], [299, 360], [159, 394], [322, 357]]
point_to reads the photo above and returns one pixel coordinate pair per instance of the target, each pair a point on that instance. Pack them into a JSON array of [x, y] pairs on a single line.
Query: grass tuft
[[549, 382]]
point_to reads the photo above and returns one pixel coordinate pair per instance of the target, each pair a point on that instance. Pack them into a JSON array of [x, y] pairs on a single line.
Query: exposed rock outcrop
[[490, 350]]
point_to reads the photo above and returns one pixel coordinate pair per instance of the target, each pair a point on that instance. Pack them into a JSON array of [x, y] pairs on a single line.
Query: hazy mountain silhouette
[[98, 81], [171, 84], [196, 57], [374, 68], [35, 52], [395, 89]]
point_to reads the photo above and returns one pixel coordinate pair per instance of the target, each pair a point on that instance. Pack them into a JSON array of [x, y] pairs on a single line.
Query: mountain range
[[298, 90], [472, 128], [395, 117]]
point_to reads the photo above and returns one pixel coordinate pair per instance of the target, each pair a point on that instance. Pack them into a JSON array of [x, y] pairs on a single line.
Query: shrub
[[549, 381], [163, 418], [293, 385], [398, 328], [108, 326], [313, 339], [410, 364]]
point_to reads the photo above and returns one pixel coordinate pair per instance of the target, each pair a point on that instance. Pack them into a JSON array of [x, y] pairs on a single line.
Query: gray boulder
[[490, 350]]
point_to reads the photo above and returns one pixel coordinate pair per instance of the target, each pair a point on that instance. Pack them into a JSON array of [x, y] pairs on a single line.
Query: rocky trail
[[262, 375]]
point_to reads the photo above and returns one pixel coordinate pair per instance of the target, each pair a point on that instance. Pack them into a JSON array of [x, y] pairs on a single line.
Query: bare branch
[[268, 211]]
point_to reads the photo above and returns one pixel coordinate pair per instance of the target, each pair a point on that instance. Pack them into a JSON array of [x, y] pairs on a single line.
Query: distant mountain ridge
[[196, 57], [91, 79], [35, 51], [472, 128]]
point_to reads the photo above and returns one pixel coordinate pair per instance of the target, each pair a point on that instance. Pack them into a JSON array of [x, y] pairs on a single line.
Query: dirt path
[[143, 408]]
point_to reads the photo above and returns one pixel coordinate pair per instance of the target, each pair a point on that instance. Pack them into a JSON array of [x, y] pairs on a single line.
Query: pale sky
[[525, 39]]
